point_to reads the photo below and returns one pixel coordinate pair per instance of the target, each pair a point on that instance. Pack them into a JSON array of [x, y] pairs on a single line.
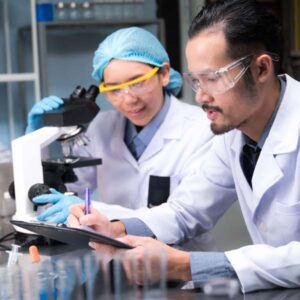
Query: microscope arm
[[27, 166]]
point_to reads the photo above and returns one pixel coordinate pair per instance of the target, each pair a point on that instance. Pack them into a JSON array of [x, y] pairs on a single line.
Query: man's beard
[[221, 128], [217, 129], [250, 93]]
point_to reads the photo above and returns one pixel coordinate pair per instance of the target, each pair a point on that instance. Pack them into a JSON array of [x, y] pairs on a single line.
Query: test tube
[[69, 280], [10, 282], [154, 284], [41, 285], [96, 276], [13, 255], [124, 284]]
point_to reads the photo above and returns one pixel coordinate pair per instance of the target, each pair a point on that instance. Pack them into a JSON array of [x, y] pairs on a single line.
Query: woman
[[148, 145]]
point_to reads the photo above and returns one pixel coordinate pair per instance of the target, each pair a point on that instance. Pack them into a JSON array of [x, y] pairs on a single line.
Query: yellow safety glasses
[[131, 83]]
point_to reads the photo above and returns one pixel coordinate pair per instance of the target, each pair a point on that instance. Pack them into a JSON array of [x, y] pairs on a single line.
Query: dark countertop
[[61, 254]]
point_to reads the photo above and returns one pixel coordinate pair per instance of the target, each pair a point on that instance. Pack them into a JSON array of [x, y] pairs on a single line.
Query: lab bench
[[77, 267]]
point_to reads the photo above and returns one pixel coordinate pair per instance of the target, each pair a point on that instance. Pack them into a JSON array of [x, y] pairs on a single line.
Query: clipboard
[[79, 237]]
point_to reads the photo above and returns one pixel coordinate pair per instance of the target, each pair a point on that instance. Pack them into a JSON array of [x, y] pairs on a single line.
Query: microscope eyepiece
[[79, 92], [78, 110], [92, 93], [82, 95]]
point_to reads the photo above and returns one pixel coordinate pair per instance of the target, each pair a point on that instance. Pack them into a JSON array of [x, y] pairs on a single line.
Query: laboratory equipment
[[74, 11], [128, 281], [155, 274], [13, 255], [124, 269], [7, 205], [87, 11], [10, 282], [69, 278], [96, 275], [44, 11], [222, 287], [66, 124], [61, 11], [34, 254]]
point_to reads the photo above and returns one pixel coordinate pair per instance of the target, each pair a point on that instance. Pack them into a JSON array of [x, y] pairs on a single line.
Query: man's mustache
[[207, 107]]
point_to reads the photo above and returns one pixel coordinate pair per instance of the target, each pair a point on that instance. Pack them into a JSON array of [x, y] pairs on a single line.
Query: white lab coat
[[176, 150], [271, 211]]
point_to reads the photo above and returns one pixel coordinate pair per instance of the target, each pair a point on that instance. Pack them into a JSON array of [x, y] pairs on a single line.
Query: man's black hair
[[246, 24]]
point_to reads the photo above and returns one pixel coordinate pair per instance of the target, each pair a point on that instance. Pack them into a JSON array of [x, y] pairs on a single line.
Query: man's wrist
[[118, 228], [179, 266]]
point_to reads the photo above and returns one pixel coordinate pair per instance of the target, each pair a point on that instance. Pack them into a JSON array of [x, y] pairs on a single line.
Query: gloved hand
[[60, 207], [34, 118]]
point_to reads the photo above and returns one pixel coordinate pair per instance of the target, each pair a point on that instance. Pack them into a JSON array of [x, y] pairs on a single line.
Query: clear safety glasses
[[138, 86], [223, 79]]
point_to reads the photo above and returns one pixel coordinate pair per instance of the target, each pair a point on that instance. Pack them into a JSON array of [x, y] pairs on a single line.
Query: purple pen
[[87, 209]]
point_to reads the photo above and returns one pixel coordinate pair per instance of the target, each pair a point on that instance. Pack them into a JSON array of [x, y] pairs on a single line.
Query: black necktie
[[248, 158]]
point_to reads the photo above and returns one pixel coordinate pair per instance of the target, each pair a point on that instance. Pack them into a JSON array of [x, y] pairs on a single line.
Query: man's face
[[236, 107], [139, 103]]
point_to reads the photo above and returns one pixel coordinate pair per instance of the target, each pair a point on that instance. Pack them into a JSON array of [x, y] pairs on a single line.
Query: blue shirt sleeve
[[135, 226], [206, 266]]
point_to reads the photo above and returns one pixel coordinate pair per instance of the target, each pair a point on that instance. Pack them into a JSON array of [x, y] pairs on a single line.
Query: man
[[231, 54]]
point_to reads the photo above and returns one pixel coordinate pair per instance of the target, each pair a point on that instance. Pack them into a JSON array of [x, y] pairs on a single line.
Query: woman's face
[[139, 103]]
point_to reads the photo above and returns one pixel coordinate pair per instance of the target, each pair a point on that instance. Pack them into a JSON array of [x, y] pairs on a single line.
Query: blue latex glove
[[60, 207], [34, 118]]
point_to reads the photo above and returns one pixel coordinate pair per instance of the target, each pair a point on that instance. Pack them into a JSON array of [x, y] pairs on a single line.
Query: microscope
[[33, 173]]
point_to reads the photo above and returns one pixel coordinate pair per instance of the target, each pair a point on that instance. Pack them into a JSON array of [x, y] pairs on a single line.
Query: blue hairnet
[[134, 44]]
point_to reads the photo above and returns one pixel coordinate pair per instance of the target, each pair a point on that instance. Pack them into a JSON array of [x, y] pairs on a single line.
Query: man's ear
[[263, 67]]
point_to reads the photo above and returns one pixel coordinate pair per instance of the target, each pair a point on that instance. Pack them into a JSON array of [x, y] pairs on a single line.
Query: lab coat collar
[[171, 128], [283, 136], [282, 139]]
